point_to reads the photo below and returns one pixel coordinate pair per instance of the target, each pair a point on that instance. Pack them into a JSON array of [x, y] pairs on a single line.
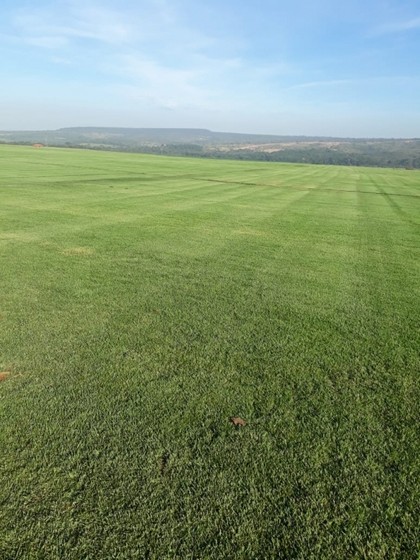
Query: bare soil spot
[[237, 421], [4, 375], [163, 463]]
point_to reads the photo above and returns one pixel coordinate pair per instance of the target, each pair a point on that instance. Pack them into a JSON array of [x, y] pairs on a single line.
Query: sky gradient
[[268, 66]]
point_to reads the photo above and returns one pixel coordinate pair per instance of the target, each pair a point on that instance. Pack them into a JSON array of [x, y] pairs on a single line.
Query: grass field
[[145, 300]]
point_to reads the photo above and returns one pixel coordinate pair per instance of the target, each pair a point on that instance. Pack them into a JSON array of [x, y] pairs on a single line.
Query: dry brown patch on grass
[[84, 251], [18, 236], [237, 421], [254, 232], [4, 375]]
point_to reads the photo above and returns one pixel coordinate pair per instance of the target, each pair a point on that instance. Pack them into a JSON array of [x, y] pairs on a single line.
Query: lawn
[[146, 300]]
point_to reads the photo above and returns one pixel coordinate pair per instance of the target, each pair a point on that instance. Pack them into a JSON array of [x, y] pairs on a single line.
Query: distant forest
[[403, 153]]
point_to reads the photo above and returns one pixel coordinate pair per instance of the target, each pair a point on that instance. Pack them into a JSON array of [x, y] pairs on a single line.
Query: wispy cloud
[[52, 29], [397, 27], [61, 60], [47, 41], [200, 83], [359, 84], [152, 22], [321, 84], [149, 81]]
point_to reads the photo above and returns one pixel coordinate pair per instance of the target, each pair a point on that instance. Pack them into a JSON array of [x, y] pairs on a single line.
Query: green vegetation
[[374, 152], [145, 300]]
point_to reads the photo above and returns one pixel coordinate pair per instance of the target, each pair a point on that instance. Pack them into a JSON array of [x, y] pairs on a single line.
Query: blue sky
[[319, 67]]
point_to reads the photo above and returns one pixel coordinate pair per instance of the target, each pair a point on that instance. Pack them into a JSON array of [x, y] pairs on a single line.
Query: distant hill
[[206, 143], [111, 136]]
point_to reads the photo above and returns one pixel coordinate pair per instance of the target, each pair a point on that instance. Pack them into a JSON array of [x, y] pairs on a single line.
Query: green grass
[[145, 300]]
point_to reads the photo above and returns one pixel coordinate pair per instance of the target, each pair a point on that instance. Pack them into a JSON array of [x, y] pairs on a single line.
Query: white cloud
[[48, 28], [61, 60], [47, 41], [321, 84], [156, 84], [398, 27], [198, 84]]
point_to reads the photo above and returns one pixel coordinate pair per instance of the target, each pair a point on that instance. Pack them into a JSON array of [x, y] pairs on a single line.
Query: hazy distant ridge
[[199, 135], [383, 152]]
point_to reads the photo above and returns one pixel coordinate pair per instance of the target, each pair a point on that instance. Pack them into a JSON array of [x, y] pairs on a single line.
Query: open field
[[146, 300]]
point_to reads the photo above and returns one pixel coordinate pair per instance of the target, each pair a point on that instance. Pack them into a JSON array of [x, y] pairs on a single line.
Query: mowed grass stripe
[[135, 320]]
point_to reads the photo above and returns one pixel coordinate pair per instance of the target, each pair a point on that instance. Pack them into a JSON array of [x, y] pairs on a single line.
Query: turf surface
[[146, 300]]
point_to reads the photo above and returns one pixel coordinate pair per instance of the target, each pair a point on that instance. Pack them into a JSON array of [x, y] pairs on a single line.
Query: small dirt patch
[[163, 463], [237, 421], [4, 375]]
